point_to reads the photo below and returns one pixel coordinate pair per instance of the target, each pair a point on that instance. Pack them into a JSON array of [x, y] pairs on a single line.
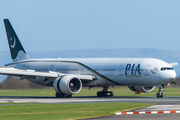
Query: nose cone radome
[[168, 76], [172, 75]]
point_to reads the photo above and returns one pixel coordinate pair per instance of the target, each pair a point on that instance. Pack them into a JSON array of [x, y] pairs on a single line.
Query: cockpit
[[166, 68]]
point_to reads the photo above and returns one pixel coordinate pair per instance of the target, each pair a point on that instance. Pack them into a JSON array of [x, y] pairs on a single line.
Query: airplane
[[68, 75]]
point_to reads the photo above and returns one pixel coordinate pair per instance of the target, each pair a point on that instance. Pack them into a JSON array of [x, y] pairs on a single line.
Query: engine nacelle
[[67, 85], [141, 88]]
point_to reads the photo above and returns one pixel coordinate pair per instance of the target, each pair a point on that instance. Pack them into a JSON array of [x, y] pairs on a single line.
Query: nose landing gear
[[160, 94], [105, 93]]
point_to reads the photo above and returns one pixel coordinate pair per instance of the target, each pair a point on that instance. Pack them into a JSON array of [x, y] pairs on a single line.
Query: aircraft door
[[51, 68], [82, 71], [147, 70]]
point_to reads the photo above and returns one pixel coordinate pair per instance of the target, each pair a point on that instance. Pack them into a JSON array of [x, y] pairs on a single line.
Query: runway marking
[[146, 112]]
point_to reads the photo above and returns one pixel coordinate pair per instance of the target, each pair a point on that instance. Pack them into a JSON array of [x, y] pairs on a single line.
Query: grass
[[28, 92], [125, 91], [64, 111], [71, 111], [118, 91]]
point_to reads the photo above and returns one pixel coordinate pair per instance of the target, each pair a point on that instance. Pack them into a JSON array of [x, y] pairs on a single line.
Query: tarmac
[[163, 104], [91, 99], [163, 116]]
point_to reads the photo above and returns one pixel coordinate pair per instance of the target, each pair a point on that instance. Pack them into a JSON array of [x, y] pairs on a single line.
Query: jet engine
[[67, 85], [141, 88]]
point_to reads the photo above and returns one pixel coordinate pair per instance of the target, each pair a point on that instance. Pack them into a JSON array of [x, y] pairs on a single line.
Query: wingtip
[[174, 64]]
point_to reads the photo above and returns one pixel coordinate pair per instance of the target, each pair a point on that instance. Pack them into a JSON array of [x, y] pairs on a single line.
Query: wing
[[174, 64], [32, 73]]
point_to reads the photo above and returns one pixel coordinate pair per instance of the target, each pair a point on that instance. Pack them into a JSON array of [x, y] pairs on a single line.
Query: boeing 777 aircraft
[[67, 76]]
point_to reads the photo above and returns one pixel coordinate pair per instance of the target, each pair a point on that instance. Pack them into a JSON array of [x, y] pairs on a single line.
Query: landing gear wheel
[[98, 94], [105, 93], [58, 95], [157, 95], [111, 93], [62, 95], [160, 94], [69, 96]]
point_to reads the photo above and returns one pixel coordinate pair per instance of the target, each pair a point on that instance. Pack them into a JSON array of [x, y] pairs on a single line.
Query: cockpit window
[[166, 68]]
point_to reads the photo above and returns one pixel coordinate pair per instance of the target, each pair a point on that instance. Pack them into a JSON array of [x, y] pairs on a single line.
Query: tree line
[[14, 83]]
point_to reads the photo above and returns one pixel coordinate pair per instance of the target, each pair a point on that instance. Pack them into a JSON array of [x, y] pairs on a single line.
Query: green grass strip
[[118, 91], [64, 111]]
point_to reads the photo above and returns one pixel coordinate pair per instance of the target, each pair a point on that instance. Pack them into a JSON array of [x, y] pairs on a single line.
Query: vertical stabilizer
[[16, 49]]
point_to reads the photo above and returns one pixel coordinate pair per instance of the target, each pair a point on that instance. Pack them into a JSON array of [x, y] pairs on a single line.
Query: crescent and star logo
[[13, 39]]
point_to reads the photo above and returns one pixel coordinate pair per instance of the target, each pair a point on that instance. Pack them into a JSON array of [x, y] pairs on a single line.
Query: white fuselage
[[107, 71]]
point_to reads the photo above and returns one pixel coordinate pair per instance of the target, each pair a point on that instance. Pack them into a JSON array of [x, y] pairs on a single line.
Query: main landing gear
[[160, 94], [105, 93], [58, 95]]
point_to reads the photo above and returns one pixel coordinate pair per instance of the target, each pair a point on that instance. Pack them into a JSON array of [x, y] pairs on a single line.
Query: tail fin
[[16, 49]]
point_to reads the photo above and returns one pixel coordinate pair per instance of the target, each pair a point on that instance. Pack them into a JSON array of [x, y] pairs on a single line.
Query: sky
[[44, 25]]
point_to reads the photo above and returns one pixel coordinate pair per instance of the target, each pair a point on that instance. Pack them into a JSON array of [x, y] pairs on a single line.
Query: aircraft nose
[[172, 75], [168, 76]]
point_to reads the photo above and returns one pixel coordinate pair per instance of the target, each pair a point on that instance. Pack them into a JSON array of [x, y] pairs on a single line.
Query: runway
[[93, 99], [166, 103], [172, 116]]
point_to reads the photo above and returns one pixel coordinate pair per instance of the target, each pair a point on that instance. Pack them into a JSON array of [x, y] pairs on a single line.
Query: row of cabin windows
[[74, 70], [65, 70], [46, 70]]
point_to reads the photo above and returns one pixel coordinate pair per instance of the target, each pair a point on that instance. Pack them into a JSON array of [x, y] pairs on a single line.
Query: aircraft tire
[[162, 95], [69, 96], [157, 95], [111, 93], [98, 94], [105, 94], [57, 95]]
